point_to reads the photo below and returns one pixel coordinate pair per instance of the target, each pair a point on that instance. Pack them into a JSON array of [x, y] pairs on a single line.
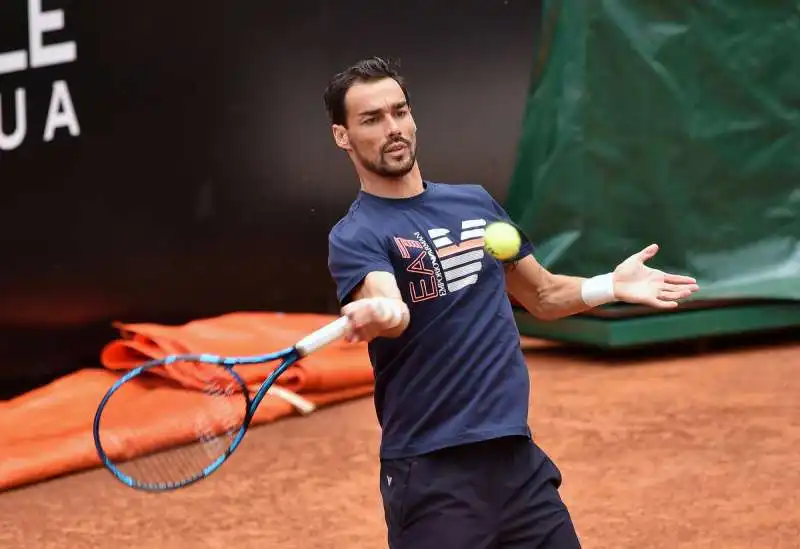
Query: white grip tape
[[325, 335], [598, 290]]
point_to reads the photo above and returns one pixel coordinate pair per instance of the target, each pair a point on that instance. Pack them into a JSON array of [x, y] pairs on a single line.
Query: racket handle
[[323, 336]]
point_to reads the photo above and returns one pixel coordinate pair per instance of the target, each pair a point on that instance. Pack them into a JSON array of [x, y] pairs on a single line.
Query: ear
[[341, 137]]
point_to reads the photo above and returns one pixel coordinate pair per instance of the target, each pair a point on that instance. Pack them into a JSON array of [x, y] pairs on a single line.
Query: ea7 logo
[[462, 261], [427, 282], [446, 266]]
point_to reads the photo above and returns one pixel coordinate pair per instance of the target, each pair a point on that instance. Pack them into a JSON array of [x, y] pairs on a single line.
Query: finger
[[350, 311], [679, 279], [349, 308], [359, 319], [363, 312], [663, 304], [670, 295], [648, 252], [363, 334], [367, 334], [350, 335], [690, 288]]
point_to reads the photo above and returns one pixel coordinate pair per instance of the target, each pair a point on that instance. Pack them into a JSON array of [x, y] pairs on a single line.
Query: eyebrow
[[398, 105]]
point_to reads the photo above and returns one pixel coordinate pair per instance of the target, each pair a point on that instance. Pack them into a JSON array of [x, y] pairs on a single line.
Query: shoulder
[[463, 190], [357, 226], [471, 193], [459, 189]]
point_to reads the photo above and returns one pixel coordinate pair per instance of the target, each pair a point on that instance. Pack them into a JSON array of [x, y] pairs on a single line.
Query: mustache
[[395, 141]]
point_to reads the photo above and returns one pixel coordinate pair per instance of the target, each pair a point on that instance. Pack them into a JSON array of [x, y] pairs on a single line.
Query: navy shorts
[[497, 494]]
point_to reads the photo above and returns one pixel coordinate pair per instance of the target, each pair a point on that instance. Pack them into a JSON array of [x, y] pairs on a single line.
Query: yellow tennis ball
[[502, 240]]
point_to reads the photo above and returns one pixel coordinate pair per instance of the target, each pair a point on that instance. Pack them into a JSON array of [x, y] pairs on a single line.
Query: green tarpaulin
[[668, 122]]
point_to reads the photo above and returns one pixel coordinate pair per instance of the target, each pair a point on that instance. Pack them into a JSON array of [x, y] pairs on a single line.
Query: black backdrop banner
[[170, 160]]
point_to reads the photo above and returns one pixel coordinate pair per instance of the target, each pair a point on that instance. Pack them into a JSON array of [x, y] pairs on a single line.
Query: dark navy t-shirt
[[457, 374]]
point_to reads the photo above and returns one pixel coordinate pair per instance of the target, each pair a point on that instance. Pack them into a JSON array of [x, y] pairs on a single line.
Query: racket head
[[159, 450]]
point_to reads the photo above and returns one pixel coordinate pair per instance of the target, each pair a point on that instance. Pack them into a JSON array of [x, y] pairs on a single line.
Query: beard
[[387, 167]]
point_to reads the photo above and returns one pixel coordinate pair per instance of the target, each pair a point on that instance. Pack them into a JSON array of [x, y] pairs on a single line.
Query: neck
[[401, 187]]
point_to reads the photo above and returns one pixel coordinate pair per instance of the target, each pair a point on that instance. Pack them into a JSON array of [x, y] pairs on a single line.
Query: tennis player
[[459, 467]]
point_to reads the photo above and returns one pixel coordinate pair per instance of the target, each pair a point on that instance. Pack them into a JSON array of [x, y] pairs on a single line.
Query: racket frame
[[288, 356]]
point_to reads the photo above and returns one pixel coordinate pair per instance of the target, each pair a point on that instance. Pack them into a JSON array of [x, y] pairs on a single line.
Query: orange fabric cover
[[47, 432]]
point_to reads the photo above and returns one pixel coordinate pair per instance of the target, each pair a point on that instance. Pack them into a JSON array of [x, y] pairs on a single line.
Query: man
[[459, 468]]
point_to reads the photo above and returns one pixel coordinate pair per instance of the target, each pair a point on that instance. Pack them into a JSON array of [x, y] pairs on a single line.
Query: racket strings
[[154, 449], [172, 467]]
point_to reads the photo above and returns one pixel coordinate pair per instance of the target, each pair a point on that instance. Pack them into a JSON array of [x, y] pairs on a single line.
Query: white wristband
[[598, 290]]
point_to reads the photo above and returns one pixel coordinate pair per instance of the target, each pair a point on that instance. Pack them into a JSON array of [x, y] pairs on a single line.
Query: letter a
[[61, 112]]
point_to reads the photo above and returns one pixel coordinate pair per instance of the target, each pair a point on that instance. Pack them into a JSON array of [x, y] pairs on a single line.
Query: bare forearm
[[558, 299], [551, 296]]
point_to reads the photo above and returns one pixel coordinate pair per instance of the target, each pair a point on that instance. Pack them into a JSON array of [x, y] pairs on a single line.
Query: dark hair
[[366, 70]]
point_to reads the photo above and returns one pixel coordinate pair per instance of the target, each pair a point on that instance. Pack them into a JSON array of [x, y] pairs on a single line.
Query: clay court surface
[[660, 452]]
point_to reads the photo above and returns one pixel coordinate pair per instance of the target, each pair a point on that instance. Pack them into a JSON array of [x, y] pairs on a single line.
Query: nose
[[392, 128]]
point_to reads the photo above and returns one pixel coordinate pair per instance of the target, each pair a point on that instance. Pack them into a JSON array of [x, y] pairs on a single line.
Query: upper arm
[[360, 265], [526, 248], [526, 278]]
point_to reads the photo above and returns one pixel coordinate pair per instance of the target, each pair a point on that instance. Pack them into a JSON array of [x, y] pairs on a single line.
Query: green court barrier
[[668, 122]]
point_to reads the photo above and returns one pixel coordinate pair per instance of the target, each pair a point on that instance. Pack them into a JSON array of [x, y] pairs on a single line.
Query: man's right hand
[[375, 307], [373, 317]]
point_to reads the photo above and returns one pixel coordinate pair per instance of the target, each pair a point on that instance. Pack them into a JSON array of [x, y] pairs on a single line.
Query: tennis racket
[[155, 458]]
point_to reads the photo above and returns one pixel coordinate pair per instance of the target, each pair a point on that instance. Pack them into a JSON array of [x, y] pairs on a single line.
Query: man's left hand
[[635, 282]]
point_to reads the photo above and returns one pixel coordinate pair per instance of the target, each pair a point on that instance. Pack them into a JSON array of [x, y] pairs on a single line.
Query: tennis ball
[[501, 240]]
